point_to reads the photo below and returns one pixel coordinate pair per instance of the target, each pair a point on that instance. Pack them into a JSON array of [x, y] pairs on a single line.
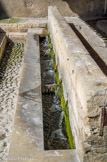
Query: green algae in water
[[64, 104]]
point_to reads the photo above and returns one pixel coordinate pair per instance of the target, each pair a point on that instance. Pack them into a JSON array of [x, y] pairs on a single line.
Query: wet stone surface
[[10, 70], [55, 137]]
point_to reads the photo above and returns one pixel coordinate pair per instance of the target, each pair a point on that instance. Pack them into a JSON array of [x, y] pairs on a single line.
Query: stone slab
[[28, 127], [98, 43], [24, 25], [47, 156], [16, 35]]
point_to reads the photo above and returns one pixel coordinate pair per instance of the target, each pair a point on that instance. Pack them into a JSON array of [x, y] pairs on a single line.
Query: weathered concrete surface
[[98, 44], [39, 8], [85, 94], [10, 71], [16, 35], [22, 35], [3, 41], [28, 129], [45, 156], [24, 25], [27, 141], [39, 31]]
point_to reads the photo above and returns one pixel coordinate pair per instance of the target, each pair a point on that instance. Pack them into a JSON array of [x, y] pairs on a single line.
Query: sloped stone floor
[[10, 69]]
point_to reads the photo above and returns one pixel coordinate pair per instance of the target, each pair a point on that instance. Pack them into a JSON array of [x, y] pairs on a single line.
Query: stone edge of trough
[[82, 79], [39, 153], [24, 26]]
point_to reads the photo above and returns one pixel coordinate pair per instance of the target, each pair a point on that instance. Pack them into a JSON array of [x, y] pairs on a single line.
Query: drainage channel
[[55, 136], [90, 49]]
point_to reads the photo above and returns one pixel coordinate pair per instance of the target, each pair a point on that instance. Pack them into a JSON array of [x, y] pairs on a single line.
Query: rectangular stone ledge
[[3, 41], [28, 119], [82, 79], [39, 31], [22, 35], [78, 60], [23, 26], [16, 35], [97, 43]]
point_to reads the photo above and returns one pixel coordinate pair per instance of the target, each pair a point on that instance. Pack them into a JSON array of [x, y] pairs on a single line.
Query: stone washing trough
[[82, 66]]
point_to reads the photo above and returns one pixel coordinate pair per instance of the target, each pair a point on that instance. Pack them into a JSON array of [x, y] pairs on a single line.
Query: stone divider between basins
[[85, 88], [23, 25]]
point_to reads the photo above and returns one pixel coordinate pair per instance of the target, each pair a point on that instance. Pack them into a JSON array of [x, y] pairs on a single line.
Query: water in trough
[[55, 137]]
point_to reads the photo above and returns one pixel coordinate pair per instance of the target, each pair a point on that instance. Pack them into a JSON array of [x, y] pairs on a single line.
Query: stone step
[[3, 41]]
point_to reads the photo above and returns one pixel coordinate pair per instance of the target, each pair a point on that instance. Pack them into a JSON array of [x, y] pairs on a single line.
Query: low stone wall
[[84, 87], [23, 25], [39, 8], [31, 8]]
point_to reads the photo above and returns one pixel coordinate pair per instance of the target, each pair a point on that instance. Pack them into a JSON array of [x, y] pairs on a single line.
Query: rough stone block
[[84, 83]]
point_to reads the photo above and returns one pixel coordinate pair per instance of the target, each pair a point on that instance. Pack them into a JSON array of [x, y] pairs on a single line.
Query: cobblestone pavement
[[10, 71]]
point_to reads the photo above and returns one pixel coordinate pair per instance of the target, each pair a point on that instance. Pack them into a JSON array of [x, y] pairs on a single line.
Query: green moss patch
[[64, 104], [10, 20]]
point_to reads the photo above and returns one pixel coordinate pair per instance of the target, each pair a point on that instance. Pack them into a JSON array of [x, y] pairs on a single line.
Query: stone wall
[[31, 8], [86, 8], [39, 8], [86, 95]]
